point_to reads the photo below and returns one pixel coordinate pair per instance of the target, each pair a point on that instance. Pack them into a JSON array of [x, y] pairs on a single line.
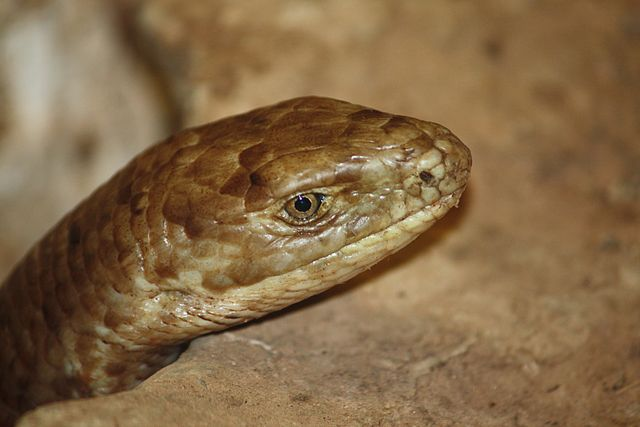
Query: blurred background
[[521, 308]]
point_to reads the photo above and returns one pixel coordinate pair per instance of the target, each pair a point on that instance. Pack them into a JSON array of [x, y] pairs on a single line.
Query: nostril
[[426, 177]]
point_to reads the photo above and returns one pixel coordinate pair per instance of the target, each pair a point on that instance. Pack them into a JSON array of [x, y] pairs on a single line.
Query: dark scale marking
[[256, 179], [137, 203], [237, 184], [426, 177], [74, 234]]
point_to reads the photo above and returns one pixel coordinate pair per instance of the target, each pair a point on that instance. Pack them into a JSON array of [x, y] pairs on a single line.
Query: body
[[215, 226]]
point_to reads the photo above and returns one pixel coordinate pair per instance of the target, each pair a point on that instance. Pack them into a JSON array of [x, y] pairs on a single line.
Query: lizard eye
[[304, 207]]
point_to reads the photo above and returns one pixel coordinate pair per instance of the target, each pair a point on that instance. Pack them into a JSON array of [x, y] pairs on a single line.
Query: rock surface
[[520, 308]]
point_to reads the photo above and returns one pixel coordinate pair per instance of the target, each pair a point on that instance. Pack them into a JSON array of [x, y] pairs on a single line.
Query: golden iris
[[303, 207]]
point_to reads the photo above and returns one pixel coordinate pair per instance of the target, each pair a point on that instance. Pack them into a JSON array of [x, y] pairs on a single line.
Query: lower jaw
[[277, 292]]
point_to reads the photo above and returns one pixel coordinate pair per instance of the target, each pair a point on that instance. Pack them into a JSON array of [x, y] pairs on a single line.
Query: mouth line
[[276, 292], [420, 216]]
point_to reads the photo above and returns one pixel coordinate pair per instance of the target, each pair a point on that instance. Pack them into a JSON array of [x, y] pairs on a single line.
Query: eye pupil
[[304, 208], [302, 204]]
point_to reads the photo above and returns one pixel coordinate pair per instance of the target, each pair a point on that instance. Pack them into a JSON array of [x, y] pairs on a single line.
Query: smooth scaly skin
[[192, 237]]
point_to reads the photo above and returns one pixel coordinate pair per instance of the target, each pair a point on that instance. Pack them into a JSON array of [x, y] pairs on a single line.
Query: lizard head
[[285, 201]]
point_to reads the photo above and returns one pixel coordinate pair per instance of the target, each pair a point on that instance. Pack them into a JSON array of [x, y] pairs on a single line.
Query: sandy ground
[[521, 308]]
